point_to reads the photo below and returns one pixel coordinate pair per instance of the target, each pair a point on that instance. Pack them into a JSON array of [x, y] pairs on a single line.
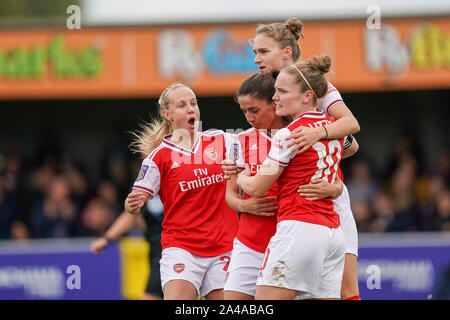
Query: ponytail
[[152, 133], [286, 34], [310, 75]]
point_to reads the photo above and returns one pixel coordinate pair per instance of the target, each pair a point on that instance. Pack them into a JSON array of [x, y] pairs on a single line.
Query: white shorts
[[243, 270], [205, 273], [348, 225], [305, 257]]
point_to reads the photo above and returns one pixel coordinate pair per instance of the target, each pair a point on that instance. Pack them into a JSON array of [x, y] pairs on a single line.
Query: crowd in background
[[51, 196]]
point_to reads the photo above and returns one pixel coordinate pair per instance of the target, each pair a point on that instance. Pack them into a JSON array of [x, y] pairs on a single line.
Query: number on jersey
[[326, 161]]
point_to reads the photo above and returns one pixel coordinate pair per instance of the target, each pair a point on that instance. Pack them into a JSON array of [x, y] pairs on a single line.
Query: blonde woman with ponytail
[[305, 257], [183, 166]]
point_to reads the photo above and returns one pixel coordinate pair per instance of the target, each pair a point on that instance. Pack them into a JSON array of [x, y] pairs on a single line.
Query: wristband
[[326, 132], [348, 141]]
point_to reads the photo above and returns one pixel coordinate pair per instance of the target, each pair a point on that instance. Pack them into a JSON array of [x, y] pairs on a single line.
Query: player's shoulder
[[283, 133], [307, 118], [212, 132], [249, 132], [331, 88], [157, 153]]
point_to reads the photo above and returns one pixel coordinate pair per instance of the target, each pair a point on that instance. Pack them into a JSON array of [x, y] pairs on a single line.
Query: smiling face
[[259, 113], [182, 110], [289, 101], [269, 56]]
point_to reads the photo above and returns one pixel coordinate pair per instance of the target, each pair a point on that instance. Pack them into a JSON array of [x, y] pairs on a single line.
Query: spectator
[[96, 217], [12, 170], [363, 215], [10, 210], [402, 190], [433, 186], [19, 231], [41, 179], [116, 169], [77, 180], [383, 212], [406, 147], [54, 215], [444, 167], [107, 191], [361, 185], [440, 218]]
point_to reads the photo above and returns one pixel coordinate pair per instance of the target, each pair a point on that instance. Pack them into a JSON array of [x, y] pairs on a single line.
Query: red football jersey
[[320, 161], [255, 231], [192, 188], [324, 105]]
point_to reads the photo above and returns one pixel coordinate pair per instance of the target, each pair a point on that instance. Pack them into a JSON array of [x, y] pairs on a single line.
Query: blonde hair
[[310, 75], [152, 133], [286, 34]]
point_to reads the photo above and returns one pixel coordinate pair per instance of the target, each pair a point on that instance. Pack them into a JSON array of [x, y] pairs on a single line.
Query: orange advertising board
[[214, 59]]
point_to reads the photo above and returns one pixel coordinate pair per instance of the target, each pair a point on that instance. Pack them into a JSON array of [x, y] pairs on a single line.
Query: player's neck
[[276, 124], [304, 109], [183, 139]]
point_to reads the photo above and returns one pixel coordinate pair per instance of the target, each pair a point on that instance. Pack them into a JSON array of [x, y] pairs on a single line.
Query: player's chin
[[279, 111], [191, 127], [264, 70]]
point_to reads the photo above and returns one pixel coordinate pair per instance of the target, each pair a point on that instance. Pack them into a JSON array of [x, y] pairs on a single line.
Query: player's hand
[[316, 190], [99, 244], [229, 168], [304, 137], [246, 171], [261, 206], [134, 202]]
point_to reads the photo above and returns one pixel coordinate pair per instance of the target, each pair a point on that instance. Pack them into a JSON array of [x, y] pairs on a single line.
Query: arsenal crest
[[211, 153], [178, 267]]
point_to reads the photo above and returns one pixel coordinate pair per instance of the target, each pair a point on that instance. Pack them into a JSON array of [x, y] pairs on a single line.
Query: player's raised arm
[[333, 105], [259, 184], [351, 146], [135, 201]]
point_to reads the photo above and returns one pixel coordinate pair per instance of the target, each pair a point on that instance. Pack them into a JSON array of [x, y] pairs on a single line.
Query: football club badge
[[211, 153], [178, 267]]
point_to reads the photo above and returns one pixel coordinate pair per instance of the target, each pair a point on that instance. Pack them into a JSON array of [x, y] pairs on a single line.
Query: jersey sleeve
[[331, 98], [279, 152], [149, 178], [234, 149]]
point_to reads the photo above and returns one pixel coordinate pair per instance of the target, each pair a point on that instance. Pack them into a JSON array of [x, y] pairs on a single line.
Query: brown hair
[[259, 86], [262, 87], [314, 70], [286, 34], [152, 133]]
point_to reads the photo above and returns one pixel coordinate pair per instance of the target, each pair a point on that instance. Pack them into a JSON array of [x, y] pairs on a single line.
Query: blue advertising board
[[404, 266], [58, 269]]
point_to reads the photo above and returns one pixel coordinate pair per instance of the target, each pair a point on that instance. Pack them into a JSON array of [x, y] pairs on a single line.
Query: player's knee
[[179, 290]]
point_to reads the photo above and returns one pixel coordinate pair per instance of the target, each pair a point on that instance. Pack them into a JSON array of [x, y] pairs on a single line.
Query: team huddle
[[262, 214]]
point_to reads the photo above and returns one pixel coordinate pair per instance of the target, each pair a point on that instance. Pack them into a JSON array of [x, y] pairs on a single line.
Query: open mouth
[[191, 121]]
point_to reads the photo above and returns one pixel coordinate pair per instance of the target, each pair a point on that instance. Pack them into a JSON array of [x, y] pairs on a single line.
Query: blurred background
[[77, 76]]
